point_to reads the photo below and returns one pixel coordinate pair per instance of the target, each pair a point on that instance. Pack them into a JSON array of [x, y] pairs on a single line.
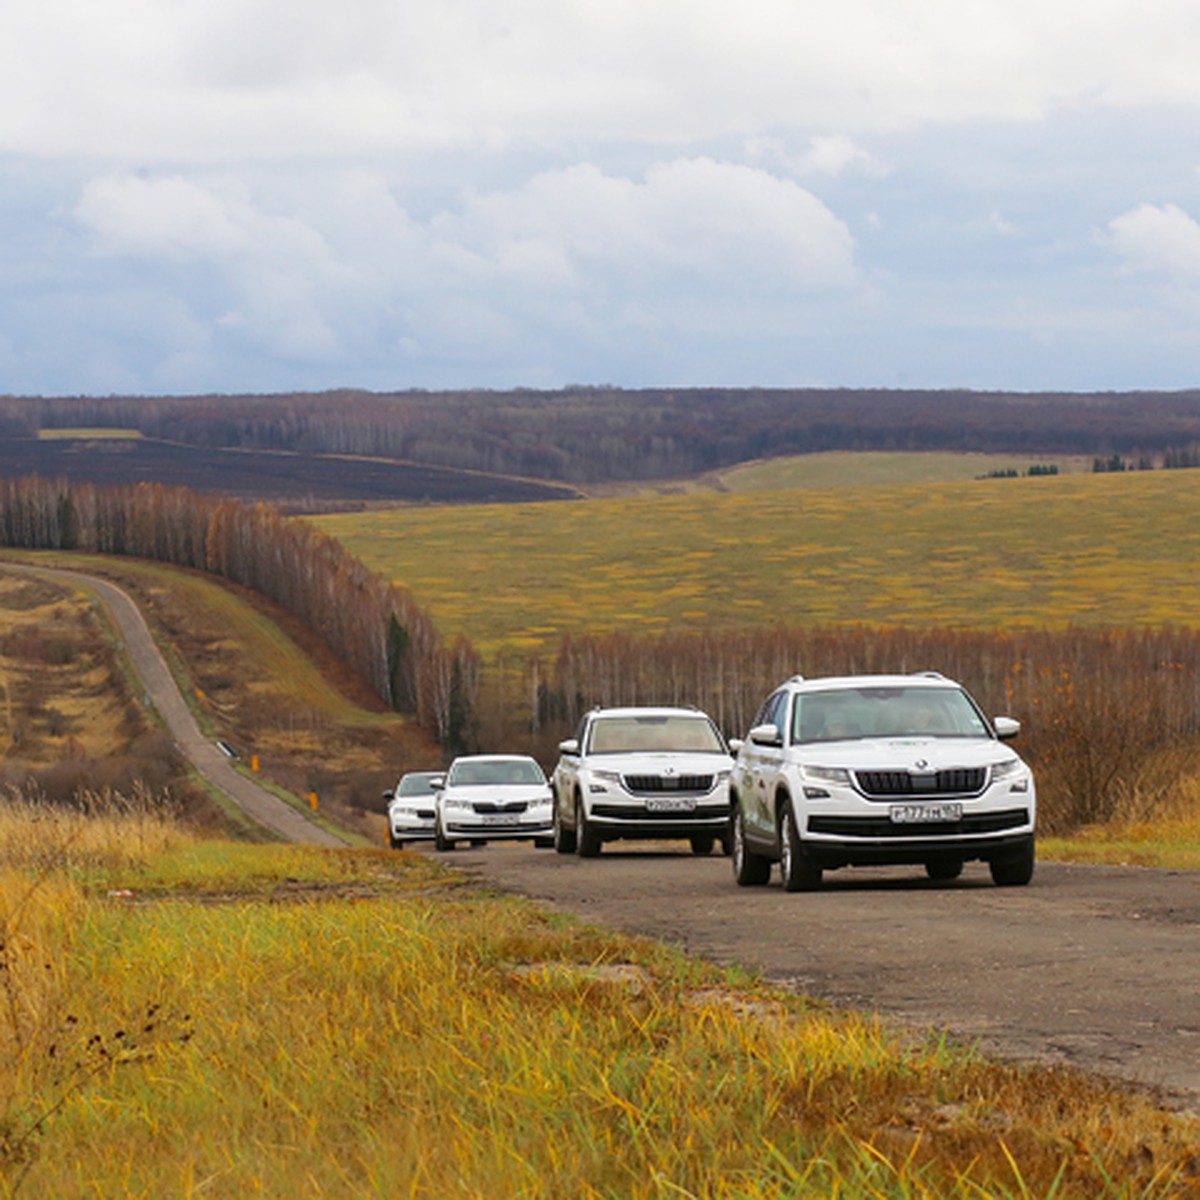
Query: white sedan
[[493, 797]]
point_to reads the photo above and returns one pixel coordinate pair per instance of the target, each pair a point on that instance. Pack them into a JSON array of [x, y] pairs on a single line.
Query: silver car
[[411, 807], [493, 797]]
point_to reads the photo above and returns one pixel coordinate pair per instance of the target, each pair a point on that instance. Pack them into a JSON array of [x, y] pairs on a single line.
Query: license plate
[[673, 805], [910, 814], [501, 820]]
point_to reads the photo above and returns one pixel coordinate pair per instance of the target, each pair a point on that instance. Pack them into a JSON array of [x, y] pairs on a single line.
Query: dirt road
[[161, 691], [1098, 967]]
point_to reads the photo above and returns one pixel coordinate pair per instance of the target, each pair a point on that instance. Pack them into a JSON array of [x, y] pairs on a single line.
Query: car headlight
[[814, 777], [455, 803], [837, 775], [604, 779], [1014, 769], [403, 810]]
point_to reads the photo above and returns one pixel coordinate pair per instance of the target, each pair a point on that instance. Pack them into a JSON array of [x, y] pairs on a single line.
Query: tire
[[543, 843], [798, 870], [1016, 869], [944, 869], [749, 869], [587, 840], [441, 841], [703, 843], [564, 838]]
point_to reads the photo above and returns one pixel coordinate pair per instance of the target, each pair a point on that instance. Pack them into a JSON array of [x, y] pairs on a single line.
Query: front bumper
[[467, 826], [637, 819]]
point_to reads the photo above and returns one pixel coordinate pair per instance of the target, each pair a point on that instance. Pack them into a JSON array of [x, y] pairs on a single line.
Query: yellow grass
[[1112, 549], [288, 1022], [89, 434]]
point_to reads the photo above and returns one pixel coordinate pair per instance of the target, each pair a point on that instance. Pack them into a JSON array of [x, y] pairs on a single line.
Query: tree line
[[1109, 716], [591, 434], [370, 623]]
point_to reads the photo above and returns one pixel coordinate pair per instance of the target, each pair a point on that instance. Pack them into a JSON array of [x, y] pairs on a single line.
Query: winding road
[[161, 691]]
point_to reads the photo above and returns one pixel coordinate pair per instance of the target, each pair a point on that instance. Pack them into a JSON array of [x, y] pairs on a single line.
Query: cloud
[[347, 274], [276, 78], [1157, 238]]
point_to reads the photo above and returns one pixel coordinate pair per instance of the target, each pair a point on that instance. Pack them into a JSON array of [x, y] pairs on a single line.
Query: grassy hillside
[[1117, 549], [846, 468], [188, 1018]]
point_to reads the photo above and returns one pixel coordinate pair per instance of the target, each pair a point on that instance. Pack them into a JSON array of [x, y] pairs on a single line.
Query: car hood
[[904, 753], [655, 762], [497, 794]]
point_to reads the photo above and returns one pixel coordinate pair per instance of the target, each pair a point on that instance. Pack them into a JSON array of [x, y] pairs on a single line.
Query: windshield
[[886, 712], [495, 771], [416, 785], [623, 735]]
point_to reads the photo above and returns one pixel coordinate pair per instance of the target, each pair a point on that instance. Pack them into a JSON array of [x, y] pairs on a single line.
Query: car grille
[[513, 806], [656, 784], [633, 812], [887, 785], [881, 827]]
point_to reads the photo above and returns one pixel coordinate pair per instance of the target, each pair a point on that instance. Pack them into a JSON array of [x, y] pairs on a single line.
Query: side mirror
[[735, 744], [388, 794], [570, 746], [1006, 727], [766, 735], [438, 782]]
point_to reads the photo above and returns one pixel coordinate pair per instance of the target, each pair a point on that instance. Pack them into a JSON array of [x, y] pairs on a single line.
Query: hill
[[295, 480], [594, 434]]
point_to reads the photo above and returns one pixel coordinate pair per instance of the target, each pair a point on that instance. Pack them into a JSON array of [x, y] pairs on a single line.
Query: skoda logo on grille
[[922, 764], [668, 772]]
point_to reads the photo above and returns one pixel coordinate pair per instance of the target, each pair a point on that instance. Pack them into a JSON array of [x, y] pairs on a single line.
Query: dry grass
[[389, 1030]]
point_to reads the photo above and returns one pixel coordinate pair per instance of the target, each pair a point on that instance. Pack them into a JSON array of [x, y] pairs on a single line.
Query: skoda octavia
[[490, 797], [880, 769]]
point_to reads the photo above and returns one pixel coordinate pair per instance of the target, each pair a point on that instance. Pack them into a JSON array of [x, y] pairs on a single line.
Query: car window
[[633, 734], [892, 711], [495, 771]]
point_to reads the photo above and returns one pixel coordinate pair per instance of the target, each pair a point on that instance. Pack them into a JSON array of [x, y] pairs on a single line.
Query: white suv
[[878, 769], [642, 773]]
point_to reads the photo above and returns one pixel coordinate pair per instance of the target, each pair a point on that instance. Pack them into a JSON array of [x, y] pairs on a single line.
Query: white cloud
[[202, 79], [350, 268], [1157, 238]]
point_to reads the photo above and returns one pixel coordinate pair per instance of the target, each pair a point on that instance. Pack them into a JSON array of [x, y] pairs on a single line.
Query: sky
[[272, 195]]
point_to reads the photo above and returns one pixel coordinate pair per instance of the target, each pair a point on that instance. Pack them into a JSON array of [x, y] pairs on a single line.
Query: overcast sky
[[264, 195]]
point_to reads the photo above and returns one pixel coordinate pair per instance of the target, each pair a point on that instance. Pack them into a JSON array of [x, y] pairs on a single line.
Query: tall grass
[[434, 1041]]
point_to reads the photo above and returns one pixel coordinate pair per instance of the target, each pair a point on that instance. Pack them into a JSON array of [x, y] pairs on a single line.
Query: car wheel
[[798, 869], [944, 869], [1014, 870], [703, 843], [564, 838], [441, 841], [749, 869], [587, 840]]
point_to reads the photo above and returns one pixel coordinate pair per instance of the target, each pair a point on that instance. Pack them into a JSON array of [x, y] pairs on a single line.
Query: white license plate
[[500, 820], [910, 814], [674, 805]]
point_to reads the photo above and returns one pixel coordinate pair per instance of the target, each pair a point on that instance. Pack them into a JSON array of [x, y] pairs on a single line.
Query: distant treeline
[[1108, 715], [371, 624], [590, 434]]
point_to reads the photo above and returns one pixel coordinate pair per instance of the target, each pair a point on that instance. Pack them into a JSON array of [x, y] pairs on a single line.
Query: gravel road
[[1098, 967]]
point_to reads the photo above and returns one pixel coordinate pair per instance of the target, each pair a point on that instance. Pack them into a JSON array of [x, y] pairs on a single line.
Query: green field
[[1086, 549]]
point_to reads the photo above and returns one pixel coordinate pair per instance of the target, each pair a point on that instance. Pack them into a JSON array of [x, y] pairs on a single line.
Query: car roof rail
[[796, 679], [930, 675]]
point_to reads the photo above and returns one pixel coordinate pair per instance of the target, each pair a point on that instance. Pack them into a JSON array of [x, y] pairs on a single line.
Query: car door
[[763, 755]]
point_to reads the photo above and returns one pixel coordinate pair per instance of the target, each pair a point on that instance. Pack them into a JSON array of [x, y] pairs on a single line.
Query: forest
[[591, 434]]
